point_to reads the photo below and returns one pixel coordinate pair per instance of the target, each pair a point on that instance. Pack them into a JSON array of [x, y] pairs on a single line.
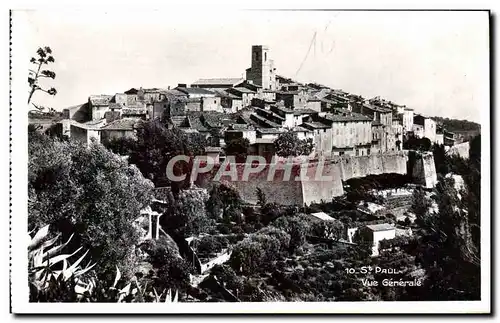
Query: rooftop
[[322, 216], [298, 112], [269, 131], [376, 108], [346, 116], [264, 140], [380, 227], [219, 81], [225, 94], [194, 90], [242, 89], [315, 125], [121, 124], [100, 99]]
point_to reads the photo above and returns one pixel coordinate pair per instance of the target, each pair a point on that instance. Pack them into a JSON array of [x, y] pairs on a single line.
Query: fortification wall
[[361, 166], [424, 170], [461, 150], [322, 183], [278, 190]]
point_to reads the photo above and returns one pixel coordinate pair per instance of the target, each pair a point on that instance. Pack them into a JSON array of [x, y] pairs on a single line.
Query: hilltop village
[[266, 239], [259, 108]]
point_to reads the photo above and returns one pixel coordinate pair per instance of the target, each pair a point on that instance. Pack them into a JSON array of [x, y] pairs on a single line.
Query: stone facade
[[289, 191], [424, 170], [262, 71]]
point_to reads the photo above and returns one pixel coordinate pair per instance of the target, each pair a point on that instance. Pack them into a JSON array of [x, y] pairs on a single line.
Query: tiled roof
[[100, 99], [288, 92], [298, 112], [196, 123], [213, 119], [194, 90], [225, 94], [380, 227], [264, 120], [243, 90], [113, 105], [269, 131], [346, 117], [376, 108], [300, 129], [316, 125], [218, 81], [132, 111], [121, 124]]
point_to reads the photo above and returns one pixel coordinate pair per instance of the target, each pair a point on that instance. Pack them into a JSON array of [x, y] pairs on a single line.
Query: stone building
[[426, 126], [213, 84], [262, 71], [351, 133]]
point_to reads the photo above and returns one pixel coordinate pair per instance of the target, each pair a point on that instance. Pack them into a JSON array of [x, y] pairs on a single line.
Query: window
[[357, 152], [215, 101], [368, 151], [265, 56]]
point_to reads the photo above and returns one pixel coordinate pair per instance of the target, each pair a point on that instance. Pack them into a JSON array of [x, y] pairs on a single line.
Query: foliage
[[122, 146], [156, 146], [414, 143], [288, 144], [91, 192], [44, 57], [211, 244], [420, 206], [258, 251], [447, 250], [297, 227], [186, 214], [224, 202], [52, 278], [261, 197], [455, 125], [238, 148], [228, 277], [328, 229], [441, 159]]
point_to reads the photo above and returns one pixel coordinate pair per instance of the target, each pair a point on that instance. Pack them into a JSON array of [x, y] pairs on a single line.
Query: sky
[[434, 62]]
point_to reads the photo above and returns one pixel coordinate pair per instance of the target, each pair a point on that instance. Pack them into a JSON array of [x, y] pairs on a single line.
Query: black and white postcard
[[218, 160]]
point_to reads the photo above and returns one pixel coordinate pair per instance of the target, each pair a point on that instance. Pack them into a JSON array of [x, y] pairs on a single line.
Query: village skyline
[[316, 48]]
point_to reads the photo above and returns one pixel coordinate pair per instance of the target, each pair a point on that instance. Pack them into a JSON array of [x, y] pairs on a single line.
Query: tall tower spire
[[262, 71]]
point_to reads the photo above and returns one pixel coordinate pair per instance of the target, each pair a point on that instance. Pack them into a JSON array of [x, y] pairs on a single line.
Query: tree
[[297, 227], [261, 197], [44, 58], [224, 203], [228, 277], [259, 251], [187, 215], [420, 206], [440, 159], [328, 229], [238, 148], [156, 146], [122, 146], [90, 192], [288, 144], [447, 250]]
